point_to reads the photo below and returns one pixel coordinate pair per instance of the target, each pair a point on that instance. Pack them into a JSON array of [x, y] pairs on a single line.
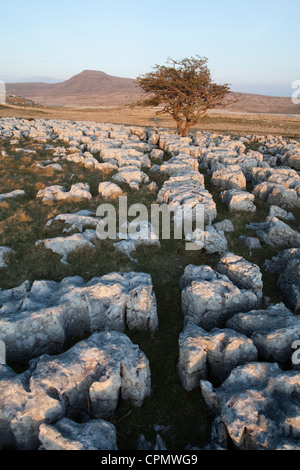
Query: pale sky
[[252, 45]]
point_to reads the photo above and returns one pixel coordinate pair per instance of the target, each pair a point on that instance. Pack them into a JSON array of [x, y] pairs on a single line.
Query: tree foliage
[[184, 89]]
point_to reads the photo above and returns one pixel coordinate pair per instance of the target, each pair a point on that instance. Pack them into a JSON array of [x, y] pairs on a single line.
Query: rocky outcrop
[[229, 177], [277, 195], [256, 408], [280, 213], [109, 190], [141, 233], [225, 225], [66, 434], [236, 200], [131, 175], [88, 379], [77, 221], [12, 194], [64, 246], [212, 355], [59, 193], [186, 192], [209, 298], [210, 239], [41, 317], [276, 233], [179, 164], [272, 330], [242, 273]]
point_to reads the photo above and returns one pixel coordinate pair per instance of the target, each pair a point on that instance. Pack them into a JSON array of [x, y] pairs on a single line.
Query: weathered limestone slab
[[89, 379], [186, 192], [209, 299], [273, 331], [4, 251], [76, 221], [212, 355], [257, 408], [66, 434], [242, 273], [109, 190], [12, 194], [39, 318], [64, 246], [236, 200], [59, 193], [230, 177]]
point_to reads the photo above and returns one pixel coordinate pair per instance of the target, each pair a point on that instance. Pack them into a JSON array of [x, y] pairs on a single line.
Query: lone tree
[[185, 90]]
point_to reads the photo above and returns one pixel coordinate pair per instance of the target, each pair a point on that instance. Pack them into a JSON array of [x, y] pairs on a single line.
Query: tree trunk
[[179, 127], [185, 131]]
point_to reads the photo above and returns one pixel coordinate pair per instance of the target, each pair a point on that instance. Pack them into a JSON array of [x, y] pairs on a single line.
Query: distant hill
[[93, 88], [88, 88]]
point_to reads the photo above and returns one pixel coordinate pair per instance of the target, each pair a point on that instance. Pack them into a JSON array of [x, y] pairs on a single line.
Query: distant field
[[224, 122]]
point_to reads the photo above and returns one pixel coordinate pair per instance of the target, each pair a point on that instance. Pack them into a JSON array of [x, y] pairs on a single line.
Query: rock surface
[[87, 379], [4, 251], [96, 434], [236, 200], [272, 330], [12, 194], [39, 318], [109, 190], [59, 193], [257, 408], [211, 239], [186, 192], [287, 265], [141, 233], [230, 177], [209, 299], [212, 355], [242, 273], [276, 233], [76, 221], [64, 246]]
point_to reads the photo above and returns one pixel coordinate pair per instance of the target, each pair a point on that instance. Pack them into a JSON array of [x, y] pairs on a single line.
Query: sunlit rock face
[[59, 193], [185, 192], [109, 190], [85, 382], [212, 355], [131, 175], [229, 177], [64, 246], [66, 434], [236, 200], [256, 408], [39, 318], [242, 273], [273, 331], [209, 298]]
